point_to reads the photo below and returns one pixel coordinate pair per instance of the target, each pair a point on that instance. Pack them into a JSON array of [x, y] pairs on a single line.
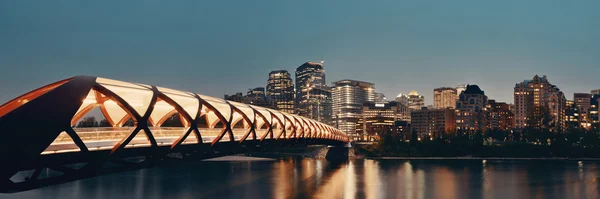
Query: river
[[361, 178]]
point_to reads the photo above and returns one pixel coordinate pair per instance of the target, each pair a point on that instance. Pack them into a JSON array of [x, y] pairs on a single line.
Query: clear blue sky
[[216, 47]]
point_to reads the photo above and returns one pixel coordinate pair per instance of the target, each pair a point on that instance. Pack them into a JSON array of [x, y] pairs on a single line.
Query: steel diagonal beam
[[223, 120], [76, 139], [244, 117], [125, 141]]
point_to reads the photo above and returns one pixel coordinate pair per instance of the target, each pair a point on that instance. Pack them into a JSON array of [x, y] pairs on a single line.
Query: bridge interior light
[[89, 101], [163, 105]]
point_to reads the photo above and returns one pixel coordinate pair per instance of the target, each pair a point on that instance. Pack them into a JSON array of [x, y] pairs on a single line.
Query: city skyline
[[493, 45]]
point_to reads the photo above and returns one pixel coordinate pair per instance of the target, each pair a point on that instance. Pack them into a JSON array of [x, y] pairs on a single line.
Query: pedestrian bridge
[[49, 127]]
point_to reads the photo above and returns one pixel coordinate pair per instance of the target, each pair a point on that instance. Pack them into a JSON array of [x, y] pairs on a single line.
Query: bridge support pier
[[339, 153]]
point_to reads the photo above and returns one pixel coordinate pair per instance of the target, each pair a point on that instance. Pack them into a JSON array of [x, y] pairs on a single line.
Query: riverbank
[[509, 151], [482, 158]]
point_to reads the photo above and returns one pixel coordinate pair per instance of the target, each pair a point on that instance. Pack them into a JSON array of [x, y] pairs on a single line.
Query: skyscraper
[[595, 92], [348, 99], [582, 101], [308, 75], [415, 101], [402, 100], [444, 97], [471, 114], [572, 115], [313, 97], [460, 88], [280, 88], [380, 98], [594, 119], [535, 97]]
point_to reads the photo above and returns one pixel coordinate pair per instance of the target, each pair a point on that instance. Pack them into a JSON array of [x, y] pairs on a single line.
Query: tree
[[414, 138], [540, 118], [173, 121], [497, 134], [88, 122], [478, 138], [129, 123], [104, 123]]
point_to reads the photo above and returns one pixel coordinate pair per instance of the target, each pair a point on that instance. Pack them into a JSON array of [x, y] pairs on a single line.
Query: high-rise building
[[380, 97], [594, 119], [313, 96], [512, 108], [460, 88], [433, 122], [535, 97], [595, 92], [280, 88], [348, 99], [255, 96], [572, 115], [500, 116], [378, 118], [583, 102], [258, 91], [471, 112], [402, 100], [415, 101], [444, 97]]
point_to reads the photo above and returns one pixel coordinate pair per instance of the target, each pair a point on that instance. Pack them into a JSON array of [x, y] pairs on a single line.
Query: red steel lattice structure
[[43, 121]]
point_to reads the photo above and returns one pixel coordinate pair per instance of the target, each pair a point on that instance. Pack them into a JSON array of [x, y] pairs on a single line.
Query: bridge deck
[[106, 138]]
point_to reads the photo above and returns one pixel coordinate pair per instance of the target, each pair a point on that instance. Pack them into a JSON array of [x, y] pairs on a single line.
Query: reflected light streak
[[487, 180], [283, 179], [591, 182], [445, 186], [372, 180], [414, 182], [408, 180], [343, 178], [350, 185]]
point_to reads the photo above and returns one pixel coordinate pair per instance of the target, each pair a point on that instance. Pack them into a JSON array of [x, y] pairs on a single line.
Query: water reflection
[[311, 178]]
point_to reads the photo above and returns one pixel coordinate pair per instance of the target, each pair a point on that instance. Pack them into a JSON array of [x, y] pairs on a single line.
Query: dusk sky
[[222, 47]]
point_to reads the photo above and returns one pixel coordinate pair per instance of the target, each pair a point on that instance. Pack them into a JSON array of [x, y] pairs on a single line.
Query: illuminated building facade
[[500, 116], [415, 101], [281, 89], [572, 115], [594, 120], [313, 96], [402, 100], [471, 111], [380, 98], [532, 98], [433, 122], [444, 97], [348, 99], [583, 102], [378, 118]]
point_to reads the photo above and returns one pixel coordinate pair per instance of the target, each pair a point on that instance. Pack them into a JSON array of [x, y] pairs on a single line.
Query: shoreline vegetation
[[482, 158], [478, 146]]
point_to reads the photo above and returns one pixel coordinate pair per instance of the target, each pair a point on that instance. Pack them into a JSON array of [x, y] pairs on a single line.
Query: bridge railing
[[118, 133], [104, 138]]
